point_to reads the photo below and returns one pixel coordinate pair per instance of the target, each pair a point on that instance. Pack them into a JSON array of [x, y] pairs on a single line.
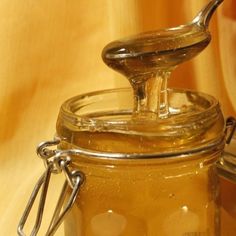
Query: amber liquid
[[164, 197], [139, 57], [228, 207], [147, 61], [161, 196]]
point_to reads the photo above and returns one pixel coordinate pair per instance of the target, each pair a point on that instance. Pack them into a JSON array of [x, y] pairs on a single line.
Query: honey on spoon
[[148, 59]]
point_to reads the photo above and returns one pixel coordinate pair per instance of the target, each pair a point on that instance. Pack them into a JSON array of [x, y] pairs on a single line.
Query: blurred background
[[51, 50]]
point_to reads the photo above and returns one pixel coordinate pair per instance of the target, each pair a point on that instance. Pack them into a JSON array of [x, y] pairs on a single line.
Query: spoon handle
[[204, 16]]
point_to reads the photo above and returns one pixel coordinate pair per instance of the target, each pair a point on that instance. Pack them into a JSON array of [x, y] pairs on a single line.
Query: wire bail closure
[[230, 129], [55, 161]]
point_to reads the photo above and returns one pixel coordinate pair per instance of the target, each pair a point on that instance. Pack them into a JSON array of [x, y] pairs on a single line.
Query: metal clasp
[[230, 129], [56, 161]]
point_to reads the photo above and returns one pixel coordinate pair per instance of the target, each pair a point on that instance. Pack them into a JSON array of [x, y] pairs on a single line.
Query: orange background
[[50, 51]]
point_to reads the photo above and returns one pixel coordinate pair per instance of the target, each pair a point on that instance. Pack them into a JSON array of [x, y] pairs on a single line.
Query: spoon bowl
[[146, 53]]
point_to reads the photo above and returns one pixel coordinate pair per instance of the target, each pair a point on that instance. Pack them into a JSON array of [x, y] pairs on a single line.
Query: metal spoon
[[148, 52], [148, 59]]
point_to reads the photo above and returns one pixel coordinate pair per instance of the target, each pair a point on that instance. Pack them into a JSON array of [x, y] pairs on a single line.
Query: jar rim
[[68, 110], [69, 117]]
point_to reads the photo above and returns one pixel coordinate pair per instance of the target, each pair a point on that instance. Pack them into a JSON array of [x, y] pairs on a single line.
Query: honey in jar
[[144, 177], [227, 173]]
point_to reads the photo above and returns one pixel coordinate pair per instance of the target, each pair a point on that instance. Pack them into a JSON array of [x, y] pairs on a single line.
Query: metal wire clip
[[56, 161], [230, 129]]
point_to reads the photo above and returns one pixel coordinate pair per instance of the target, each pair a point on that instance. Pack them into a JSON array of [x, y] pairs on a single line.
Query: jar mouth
[[195, 121]]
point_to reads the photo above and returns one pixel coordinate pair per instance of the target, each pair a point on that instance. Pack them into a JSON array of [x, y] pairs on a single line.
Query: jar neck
[[102, 121]]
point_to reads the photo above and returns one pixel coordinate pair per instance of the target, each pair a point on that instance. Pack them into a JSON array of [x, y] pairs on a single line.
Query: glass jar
[[227, 173], [144, 176]]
